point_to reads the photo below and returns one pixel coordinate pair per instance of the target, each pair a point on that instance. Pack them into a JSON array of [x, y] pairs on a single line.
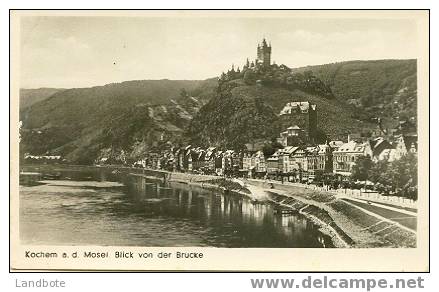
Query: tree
[[379, 173], [271, 148], [249, 77], [268, 150], [183, 93], [320, 136], [399, 176], [405, 176], [361, 169]]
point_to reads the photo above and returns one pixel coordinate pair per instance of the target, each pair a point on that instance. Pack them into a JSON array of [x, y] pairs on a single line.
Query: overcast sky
[[86, 51]]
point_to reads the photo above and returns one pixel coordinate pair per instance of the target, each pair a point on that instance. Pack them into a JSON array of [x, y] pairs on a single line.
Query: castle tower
[[264, 53], [302, 114]]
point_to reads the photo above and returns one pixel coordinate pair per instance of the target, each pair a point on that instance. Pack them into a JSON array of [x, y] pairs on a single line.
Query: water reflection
[[235, 220], [138, 211]]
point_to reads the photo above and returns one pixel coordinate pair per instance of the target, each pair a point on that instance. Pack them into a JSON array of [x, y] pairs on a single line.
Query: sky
[[84, 51]]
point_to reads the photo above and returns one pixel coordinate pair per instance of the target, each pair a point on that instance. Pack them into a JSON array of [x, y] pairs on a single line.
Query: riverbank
[[356, 228], [203, 181], [348, 225]]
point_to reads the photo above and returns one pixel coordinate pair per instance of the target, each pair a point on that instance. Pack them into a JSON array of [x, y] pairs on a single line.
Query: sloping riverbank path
[[405, 219]]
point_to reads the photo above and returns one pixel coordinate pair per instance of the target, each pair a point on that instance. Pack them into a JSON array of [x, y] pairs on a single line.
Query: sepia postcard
[[209, 140]]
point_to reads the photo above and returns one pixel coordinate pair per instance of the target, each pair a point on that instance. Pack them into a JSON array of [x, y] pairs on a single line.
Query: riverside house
[[297, 163], [209, 160], [229, 162], [253, 164], [273, 165], [246, 164], [300, 165], [219, 162], [288, 163], [260, 164], [344, 158], [198, 159], [319, 160]]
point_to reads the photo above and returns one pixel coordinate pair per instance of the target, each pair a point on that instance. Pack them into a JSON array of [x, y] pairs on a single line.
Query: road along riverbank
[[348, 225], [353, 225]]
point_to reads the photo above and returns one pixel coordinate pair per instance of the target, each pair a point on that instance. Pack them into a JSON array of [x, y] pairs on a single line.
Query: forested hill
[[30, 96], [79, 105], [81, 123], [133, 117], [247, 105], [380, 88]]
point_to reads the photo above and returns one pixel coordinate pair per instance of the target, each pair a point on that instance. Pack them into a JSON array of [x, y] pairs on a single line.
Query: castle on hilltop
[[264, 53], [263, 56], [262, 62]]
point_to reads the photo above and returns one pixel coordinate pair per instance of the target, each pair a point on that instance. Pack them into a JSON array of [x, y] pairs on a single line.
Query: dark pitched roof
[[253, 147]]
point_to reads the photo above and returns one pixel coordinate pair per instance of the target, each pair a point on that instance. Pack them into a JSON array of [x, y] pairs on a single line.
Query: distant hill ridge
[[29, 97], [378, 88], [83, 123]]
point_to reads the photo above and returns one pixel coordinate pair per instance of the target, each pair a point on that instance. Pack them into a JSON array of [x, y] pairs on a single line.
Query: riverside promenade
[[367, 195], [367, 223], [396, 210]]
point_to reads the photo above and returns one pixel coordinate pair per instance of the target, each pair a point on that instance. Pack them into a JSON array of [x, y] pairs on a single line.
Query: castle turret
[[264, 53]]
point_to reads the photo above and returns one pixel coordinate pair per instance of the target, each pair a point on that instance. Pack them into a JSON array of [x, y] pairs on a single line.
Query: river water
[[98, 207]]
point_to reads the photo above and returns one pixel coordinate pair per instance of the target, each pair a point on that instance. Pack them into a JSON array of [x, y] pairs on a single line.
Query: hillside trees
[[361, 169], [249, 77], [230, 122], [379, 88], [280, 76]]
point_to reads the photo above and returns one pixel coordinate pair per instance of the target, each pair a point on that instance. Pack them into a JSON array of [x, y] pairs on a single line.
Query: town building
[[356, 137], [198, 159], [387, 154], [293, 136], [302, 114], [298, 165], [218, 156], [319, 160], [344, 158], [209, 160], [260, 164], [379, 149], [286, 159], [335, 145], [273, 165], [255, 145], [406, 144], [46, 159]]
